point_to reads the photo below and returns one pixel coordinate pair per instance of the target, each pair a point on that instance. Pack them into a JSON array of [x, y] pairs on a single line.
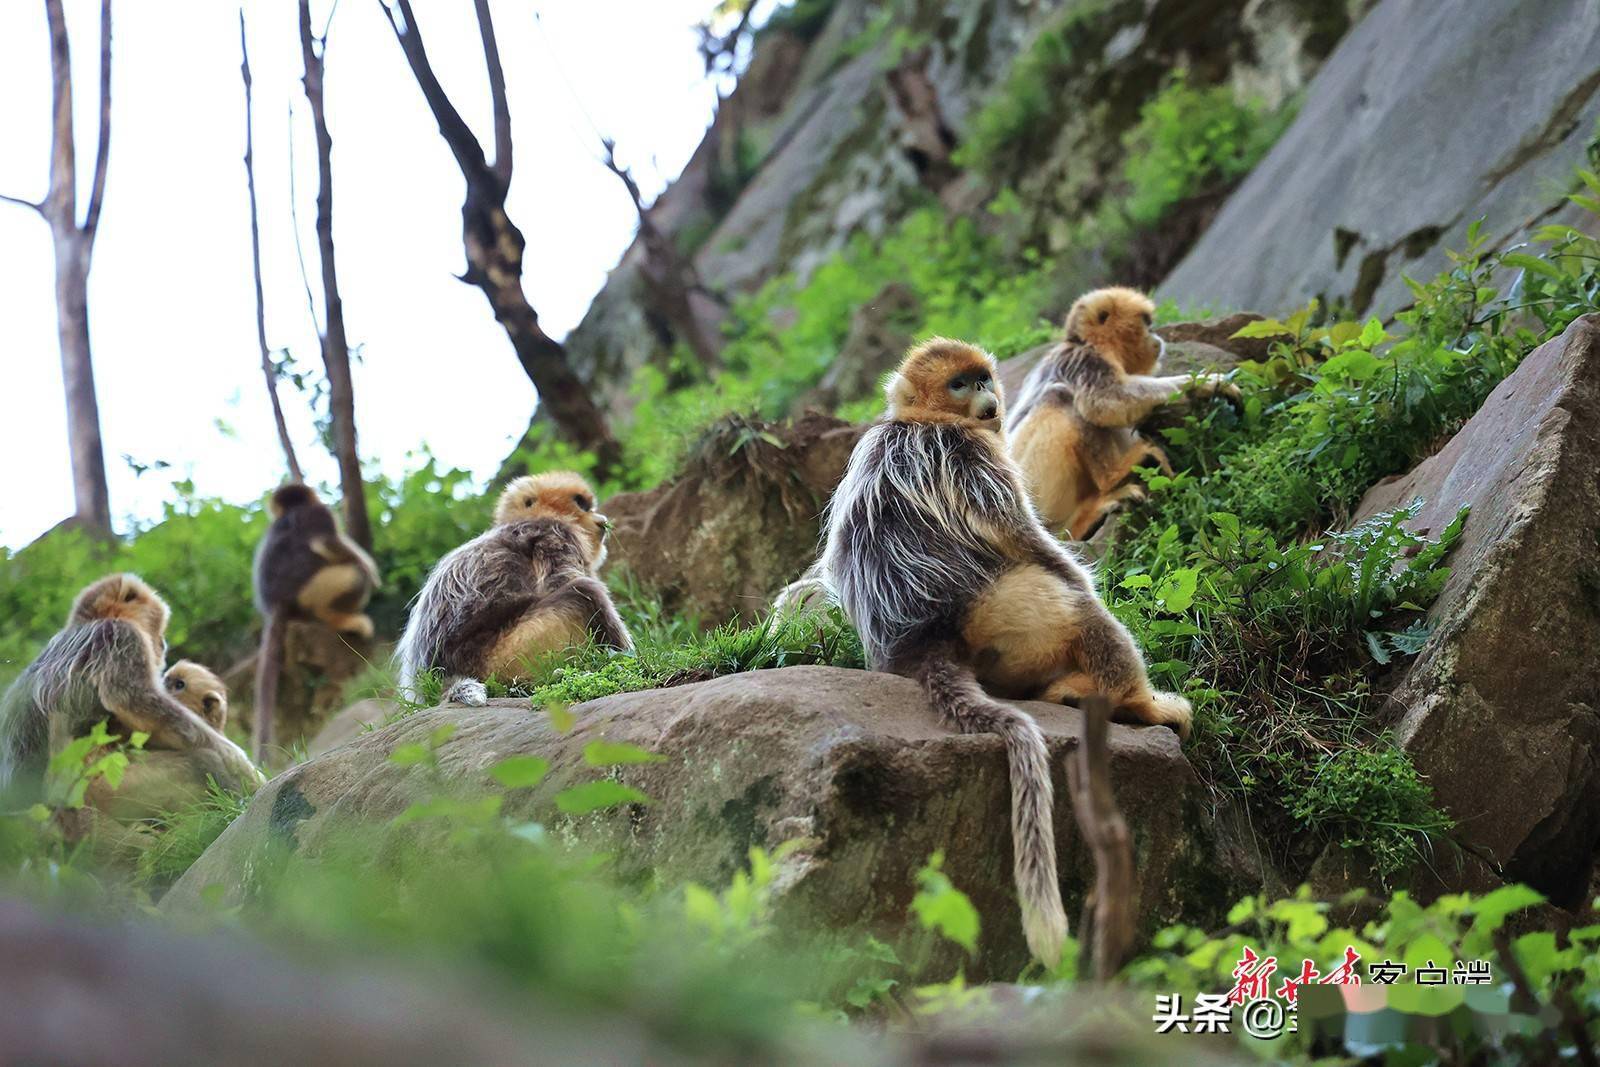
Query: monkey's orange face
[[560, 495], [947, 381], [124, 596], [1117, 322]]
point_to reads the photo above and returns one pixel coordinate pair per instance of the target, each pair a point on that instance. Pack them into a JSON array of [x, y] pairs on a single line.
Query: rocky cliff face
[[1429, 117], [849, 120]]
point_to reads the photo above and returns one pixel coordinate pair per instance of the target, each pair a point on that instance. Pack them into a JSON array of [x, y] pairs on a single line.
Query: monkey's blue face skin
[[975, 391]]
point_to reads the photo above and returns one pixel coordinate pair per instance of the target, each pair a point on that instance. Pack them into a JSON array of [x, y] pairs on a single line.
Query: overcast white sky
[[171, 308]]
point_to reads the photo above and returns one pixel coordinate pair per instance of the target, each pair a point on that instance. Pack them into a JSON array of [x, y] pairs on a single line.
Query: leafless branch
[[495, 247], [335, 342], [290, 458], [452, 127], [497, 92], [670, 274], [20, 202], [1106, 931], [294, 226], [102, 151]]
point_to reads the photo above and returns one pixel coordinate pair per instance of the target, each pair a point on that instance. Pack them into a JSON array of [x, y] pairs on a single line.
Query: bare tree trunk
[[494, 245], [74, 247], [289, 457], [670, 276], [335, 345]]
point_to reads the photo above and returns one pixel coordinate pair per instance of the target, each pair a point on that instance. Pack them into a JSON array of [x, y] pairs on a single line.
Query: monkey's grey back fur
[[912, 530], [917, 530], [477, 591], [66, 674]]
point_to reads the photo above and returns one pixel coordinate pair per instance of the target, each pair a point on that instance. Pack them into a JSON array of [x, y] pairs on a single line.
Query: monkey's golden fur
[[1072, 432], [560, 495], [105, 663], [942, 565], [195, 687], [525, 588]]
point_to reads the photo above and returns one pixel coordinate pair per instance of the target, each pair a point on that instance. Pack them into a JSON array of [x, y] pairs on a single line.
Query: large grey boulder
[[851, 761], [1501, 709], [1428, 116]]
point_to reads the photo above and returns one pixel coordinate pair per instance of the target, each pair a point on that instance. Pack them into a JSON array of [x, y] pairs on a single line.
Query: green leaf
[[441, 734], [560, 717], [1176, 592], [1136, 581], [520, 772], [1356, 365], [408, 755], [1372, 334], [943, 908], [1533, 263], [592, 796], [701, 907], [1380, 655], [1265, 328], [616, 753]]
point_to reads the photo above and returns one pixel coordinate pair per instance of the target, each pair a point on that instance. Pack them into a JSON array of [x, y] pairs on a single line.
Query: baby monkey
[[198, 689], [1072, 430]]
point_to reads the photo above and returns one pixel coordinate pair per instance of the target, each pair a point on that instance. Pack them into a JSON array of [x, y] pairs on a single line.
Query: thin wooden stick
[[1106, 931]]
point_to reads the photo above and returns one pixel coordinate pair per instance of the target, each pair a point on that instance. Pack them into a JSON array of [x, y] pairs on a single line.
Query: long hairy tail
[[958, 699], [269, 665]]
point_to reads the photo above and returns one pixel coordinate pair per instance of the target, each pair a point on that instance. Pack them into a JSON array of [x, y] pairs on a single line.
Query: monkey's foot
[[468, 691], [1068, 689], [1163, 709]]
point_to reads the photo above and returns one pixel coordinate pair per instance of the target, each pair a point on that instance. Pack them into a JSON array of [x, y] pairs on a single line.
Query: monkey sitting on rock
[[305, 568], [105, 663], [524, 588], [936, 556], [1072, 429]]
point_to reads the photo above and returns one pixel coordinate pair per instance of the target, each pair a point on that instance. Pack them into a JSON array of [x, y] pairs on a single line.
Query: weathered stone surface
[[742, 521], [1501, 709], [1427, 117], [316, 665], [351, 722], [851, 759]]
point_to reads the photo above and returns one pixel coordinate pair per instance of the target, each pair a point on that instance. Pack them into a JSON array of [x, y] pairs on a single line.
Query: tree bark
[[290, 459], [335, 343], [495, 247], [74, 246]]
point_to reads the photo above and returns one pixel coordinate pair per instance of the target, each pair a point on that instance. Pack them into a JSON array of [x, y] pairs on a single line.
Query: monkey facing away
[[1072, 429], [304, 569], [935, 555], [523, 588], [106, 663]]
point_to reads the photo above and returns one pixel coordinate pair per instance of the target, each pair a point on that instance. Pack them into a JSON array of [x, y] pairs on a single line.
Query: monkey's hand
[[1213, 385], [227, 763]]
